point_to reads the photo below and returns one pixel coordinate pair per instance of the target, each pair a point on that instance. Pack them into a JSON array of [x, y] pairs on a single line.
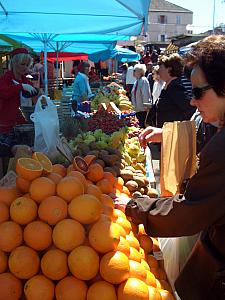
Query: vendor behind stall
[[15, 91], [81, 88]]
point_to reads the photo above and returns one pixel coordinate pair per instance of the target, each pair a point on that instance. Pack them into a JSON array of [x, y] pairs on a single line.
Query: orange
[[133, 242], [95, 172], [70, 168], [145, 264], [105, 186], [69, 187], [24, 262], [114, 267], [4, 212], [150, 279], [104, 236], [137, 270], [135, 255], [60, 169], [90, 159], [86, 209], [11, 236], [89, 181], [152, 261], [101, 290], [54, 264], [71, 288], [162, 274], [108, 211], [104, 218], [123, 246], [107, 200], [119, 183], [133, 289], [52, 210], [94, 190], [158, 284], [145, 242], [83, 262], [95, 279], [38, 235], [155, 271], [68, 234], [10, 286], [42, 188], [22, 184], [39, 287], [55, 177], [154, 294], [44, 161], [79, 176], [118, 213], [166, 295], [8, 194], [110, 177], [124, 223], [3, 261], [23, 210], [28, 168]]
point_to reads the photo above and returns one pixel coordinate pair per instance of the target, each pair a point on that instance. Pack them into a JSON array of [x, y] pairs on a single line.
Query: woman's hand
[[150, 134], [29, 88]]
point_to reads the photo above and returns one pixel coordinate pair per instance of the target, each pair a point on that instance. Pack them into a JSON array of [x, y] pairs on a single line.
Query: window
[[162, 19], [162, 38], [178, 20]]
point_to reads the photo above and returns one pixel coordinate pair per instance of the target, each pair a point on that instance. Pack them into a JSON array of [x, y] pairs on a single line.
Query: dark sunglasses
[[198, 92]]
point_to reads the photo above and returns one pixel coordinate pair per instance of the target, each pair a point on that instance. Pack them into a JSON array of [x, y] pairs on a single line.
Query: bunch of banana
[[125, 105]]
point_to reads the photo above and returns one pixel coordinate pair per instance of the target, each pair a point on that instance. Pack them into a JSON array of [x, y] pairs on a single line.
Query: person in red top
[[93, 76], [14, 88]]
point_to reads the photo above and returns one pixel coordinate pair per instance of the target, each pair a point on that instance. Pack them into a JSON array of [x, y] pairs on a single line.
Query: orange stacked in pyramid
[[61, 238]]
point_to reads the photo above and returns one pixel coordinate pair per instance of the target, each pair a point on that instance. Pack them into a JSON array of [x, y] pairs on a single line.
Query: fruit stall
[[63, 231]]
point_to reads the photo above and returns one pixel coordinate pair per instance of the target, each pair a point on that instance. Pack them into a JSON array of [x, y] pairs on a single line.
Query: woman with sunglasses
[[202, 207]]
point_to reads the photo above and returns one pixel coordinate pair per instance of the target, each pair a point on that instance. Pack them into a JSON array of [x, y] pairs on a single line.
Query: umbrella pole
[[46, 67], [57, 65]]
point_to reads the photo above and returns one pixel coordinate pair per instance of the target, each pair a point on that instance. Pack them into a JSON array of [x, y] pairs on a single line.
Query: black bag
[[203, 275]]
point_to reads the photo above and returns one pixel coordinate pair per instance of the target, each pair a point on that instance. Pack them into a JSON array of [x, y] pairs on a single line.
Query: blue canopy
[[121, 54], [120, 17], [53, 19], [36, 42]]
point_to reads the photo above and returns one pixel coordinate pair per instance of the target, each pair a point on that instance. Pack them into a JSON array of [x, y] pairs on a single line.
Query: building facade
[[166, 20]]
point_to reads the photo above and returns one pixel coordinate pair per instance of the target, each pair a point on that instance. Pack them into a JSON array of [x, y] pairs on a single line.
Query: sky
[[203, 13]]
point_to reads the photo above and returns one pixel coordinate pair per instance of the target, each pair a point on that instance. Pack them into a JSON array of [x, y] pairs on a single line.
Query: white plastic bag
[[175, 253], [46, 125]]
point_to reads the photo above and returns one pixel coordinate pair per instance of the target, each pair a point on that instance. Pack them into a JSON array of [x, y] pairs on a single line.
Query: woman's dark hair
[[209, 55], [174, 62]]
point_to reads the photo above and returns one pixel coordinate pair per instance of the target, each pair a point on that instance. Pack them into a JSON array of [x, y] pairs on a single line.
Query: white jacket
[[143, 94]]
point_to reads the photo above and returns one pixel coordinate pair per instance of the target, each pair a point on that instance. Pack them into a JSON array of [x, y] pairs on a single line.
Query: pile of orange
[[61, 238]]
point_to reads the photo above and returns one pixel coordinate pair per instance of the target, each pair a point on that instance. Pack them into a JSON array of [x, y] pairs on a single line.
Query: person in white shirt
[[158, 84], [130, 78]]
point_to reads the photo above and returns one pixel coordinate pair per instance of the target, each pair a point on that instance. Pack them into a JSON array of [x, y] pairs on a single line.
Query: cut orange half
[[44, 161], [28, 168]]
